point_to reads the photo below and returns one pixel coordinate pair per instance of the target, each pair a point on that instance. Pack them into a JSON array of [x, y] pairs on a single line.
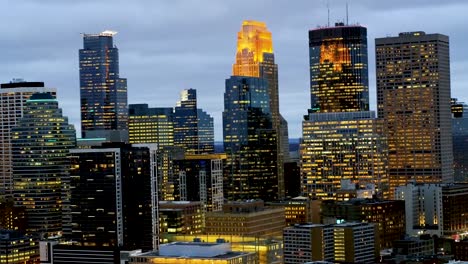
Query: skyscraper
[[104, 111], [338, 69], [341, 137], [255, 58], [205, 132], [13, 97], [151, 125], [40, 144], [460, 140], [413, 97], [186, 121], [249, 141], [113, 196]]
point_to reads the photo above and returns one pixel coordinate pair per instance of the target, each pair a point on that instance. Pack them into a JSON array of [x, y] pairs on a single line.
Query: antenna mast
[[328, 9]]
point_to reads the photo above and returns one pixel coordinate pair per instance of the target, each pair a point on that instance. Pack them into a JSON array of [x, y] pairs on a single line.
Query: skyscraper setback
[[255, 58], [341, 137], [104, 111], [413, 97]]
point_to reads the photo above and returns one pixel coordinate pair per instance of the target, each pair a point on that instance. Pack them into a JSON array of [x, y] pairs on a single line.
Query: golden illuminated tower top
[[253, 40]]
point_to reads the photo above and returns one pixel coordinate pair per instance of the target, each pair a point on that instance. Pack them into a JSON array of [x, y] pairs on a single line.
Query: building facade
[[151, 125], [249, 141], [180, 218], [255, 58], [16, 248], [460, 140], [114, 196], [103, 94], [413, 97], [13, 97], [342, 146], [205, 132], [40, 144]]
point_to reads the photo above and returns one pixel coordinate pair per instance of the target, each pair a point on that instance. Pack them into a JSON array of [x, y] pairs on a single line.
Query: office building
[[150, 125], [341, 146], [246, 218], [423, 208], [460, 140], [186, 121], [13, 97], [339, 243], [12, 217], [168, 177], [40, 144], [255, 58], [200, 178], [249, 141], [195, 252], [413, 97], [338, 69], [205, 132], [388, 216], [52, 252], [181, 218], [113, 196], [300, 210], [103, 94], [308, 242], [16, 248], [342, 139], [413, 248]]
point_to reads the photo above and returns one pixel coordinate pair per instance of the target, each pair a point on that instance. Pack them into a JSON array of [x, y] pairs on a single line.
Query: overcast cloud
[[169, 45]]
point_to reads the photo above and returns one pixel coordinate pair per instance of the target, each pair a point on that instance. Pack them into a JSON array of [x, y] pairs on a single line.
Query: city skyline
[[155, 59]]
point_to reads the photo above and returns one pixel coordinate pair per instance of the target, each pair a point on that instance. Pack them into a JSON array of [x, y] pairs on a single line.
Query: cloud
[[167, 46]]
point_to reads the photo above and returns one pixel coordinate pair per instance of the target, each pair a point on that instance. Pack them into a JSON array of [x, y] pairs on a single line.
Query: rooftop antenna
[[347, 14], [328, 9]]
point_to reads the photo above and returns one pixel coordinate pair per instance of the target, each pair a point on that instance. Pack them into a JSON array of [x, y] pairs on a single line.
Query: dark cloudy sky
[[170, 45]]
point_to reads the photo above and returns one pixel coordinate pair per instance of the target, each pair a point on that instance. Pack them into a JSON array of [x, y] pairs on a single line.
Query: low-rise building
[[194, 252], [180, 217]]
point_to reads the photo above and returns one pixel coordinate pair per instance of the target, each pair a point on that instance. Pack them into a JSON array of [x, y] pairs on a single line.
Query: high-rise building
[[16, 248], [104, 111], [455, 210], [201, 179], [193, 128], [342, 139], [423, 208], [338, 69], [460, 140], [249, 141], [13, 97], [180, 217], [342, 145], [151, 125], [413, 97], [113, 196], [255, 58], [40, 144], [205, 132]]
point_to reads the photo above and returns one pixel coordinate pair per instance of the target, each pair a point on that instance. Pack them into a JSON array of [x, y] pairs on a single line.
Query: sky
[[166, 46]]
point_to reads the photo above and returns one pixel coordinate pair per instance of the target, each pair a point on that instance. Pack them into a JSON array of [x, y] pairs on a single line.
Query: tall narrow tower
[[255, 58], [413, 97], [104, 110]]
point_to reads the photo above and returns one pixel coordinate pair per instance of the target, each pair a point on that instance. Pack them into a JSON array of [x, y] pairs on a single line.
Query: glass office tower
[[40, 145], [255, 58], [249, 141], [151, 125], [342, 139], [338, 69], [413, 97], [104, 111]]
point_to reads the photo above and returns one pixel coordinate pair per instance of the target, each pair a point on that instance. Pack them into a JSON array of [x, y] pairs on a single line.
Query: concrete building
[[13, 97], [455, 210], [423, 208], [195, 252], [246, 218], [413, 97], [300, 210], [413, 248]]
